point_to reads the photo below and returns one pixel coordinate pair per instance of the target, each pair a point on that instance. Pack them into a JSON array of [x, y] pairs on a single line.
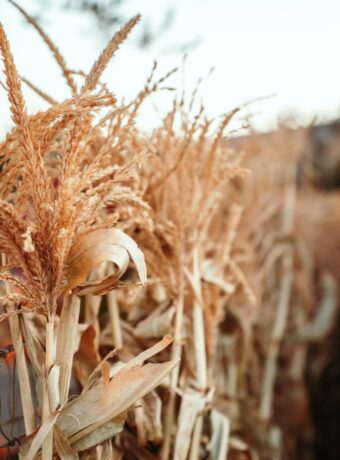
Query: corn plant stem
[[198, 326], [22, 370], [200, 352], [24, 381], [201, 368], [199, 343], [67, 333], [176, 353], [113, 308], [196, 439], [50, 358], [274, 347], [280, 320]]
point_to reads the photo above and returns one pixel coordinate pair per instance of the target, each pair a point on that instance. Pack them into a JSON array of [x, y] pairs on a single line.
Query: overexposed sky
[[289, 48]]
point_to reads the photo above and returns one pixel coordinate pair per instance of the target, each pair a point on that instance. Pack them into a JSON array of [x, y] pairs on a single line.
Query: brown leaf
[[101, 434], [150, 352], [105, 401], [102, 245], [192, 404], [105, 371], [96, 287], [67, 342], [87, 358], [148, 419], [156, 324]]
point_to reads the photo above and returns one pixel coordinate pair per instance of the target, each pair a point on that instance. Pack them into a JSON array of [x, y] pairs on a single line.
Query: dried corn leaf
[[94, 416], [93, 248], [86, 358], [101, 434], [148, 419], [149, 353], [192, 404], [105, 401], [157, 324], [63, 447], [67, 335], [33, 344], [96, 287]]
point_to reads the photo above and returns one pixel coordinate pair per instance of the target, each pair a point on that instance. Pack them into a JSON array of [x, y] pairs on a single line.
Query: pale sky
[[289, 48]]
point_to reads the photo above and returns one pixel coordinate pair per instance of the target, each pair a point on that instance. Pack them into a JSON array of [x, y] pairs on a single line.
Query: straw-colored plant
[[58, 176], [88, 201]]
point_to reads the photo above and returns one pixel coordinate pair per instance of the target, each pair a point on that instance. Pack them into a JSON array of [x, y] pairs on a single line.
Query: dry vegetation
[[206, 354]]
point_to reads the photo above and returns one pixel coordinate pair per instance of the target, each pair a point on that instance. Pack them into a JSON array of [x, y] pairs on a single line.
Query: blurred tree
[[109, 13]]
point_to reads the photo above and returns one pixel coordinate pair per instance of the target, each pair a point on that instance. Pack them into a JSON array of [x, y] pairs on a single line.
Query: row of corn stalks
[[147, 279]]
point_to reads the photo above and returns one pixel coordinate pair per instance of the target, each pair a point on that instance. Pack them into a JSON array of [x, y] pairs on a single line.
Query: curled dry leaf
[[98, 246]]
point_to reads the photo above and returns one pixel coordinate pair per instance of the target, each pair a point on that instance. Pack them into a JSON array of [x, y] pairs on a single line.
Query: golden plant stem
[[275, 343], [176, 353], [113, 308], [280, 321], [200, 352], [22, 370], [50, 358], [199, 343], [198, 326], [67, 333], [24, 381], [196, 439], [220, 434], [201, 367]]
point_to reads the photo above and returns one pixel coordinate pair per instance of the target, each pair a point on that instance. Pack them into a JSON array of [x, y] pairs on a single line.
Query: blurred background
[[285, 52]]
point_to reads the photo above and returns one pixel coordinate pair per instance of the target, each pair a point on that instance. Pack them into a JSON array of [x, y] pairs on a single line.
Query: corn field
[[164, 295]]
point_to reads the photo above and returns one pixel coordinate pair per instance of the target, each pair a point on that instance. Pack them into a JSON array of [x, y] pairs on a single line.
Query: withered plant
[[232, 300], [58, 177]]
